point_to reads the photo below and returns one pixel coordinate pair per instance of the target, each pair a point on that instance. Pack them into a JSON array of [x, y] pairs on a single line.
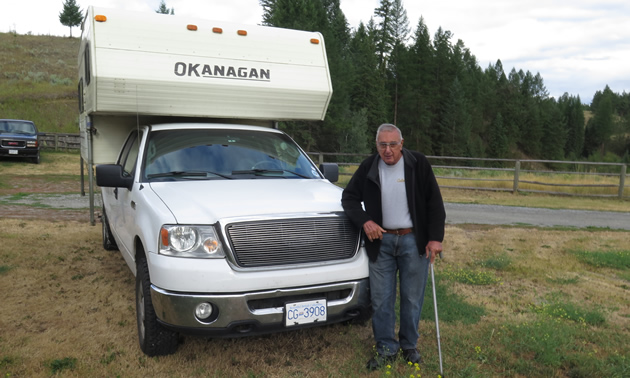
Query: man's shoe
[[412, 355], [379, 361]]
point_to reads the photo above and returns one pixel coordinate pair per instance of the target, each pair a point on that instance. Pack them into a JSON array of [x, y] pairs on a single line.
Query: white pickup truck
[[227, 224]]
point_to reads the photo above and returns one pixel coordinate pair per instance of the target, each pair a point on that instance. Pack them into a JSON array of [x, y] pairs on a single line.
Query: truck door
[[122, 197]]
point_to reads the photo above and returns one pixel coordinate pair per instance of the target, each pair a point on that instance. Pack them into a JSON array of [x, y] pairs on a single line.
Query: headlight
[[190, 241]]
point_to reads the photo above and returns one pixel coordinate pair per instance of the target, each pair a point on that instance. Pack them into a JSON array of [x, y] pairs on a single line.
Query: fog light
[[203, 311]]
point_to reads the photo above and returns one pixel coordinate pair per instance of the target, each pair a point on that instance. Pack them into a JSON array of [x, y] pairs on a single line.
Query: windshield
[[201, 154], [17, 127]]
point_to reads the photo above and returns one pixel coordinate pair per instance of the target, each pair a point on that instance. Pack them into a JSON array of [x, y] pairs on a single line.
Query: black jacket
[[423, 198]]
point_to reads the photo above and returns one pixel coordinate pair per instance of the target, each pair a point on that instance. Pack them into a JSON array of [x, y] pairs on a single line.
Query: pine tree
[[455, 123], [497, 139], [418, 96], [71, 15], [367, 87], [573, 116], [163, 9], [554, 131], [400, 35], [384, 37]]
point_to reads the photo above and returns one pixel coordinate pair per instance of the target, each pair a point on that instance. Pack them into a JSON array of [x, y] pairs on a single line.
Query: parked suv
[[18, 138]]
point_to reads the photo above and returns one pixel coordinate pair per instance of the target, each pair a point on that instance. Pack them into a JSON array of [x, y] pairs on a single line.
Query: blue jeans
[[398, 254]]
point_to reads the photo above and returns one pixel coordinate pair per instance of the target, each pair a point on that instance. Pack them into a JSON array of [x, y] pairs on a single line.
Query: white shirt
[[394, 195]]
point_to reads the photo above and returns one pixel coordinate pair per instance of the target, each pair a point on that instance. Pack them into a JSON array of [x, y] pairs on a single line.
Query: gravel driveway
[[456, 213], [512, 215]]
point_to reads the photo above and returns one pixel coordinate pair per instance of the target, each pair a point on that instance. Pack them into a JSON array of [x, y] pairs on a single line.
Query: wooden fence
[[518, 175], [59, 142], [514, 175]]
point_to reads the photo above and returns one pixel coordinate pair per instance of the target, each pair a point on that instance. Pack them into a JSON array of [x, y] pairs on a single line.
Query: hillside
[[38, 80]]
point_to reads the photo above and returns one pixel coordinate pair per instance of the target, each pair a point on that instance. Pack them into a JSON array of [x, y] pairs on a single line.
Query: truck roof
[[164, 65]]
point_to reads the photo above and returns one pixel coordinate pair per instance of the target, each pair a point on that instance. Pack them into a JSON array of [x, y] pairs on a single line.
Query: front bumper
[[18, 152], [240, 314]]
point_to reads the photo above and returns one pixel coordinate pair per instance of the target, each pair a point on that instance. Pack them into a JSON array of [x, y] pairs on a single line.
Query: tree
[[455, 123], [384, 40], [366, 86], [71, 15], [400, 35], [418, 96], [163, 9], [497, 140]]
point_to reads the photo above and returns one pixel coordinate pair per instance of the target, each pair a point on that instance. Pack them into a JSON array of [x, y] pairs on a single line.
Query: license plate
[[298, 313], [13, 152]]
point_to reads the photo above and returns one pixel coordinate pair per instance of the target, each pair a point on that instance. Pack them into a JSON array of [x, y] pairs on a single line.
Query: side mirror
[[111, 176], [330, 171]]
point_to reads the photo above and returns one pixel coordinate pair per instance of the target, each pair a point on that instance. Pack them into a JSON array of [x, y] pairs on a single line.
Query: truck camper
[[228, 226]]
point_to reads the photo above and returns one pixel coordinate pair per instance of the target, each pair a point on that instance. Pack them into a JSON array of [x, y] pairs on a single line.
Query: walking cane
[[437, 323]]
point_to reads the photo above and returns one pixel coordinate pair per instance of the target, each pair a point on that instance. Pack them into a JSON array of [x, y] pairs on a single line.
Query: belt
[[400, 231]]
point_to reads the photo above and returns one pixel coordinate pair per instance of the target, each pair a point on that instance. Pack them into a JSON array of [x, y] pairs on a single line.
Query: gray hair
[[388, 127]]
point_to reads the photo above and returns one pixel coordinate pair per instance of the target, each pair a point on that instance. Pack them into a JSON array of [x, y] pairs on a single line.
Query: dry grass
[[66, 298], [538, 257]]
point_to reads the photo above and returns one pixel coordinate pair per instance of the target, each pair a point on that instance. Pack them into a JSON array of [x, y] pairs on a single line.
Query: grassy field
[[513, 301], [38, 81]]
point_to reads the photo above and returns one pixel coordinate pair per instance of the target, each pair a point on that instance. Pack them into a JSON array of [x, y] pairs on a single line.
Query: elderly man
[[394, 197]]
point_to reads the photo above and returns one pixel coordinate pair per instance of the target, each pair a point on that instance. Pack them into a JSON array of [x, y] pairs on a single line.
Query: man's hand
[[373, 231], [433, 249]]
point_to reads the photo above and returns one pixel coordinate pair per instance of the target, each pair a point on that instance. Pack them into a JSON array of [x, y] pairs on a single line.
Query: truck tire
[[155, 340], [109, 243]]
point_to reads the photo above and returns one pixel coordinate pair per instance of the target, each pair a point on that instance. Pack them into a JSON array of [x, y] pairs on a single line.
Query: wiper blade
[[262, 171], [187, 174]]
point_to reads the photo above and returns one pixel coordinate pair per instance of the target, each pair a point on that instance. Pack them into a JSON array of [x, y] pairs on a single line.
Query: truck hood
[[206, 202]]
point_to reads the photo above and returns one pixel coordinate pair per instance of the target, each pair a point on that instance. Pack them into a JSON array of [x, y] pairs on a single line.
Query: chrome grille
[[292, 241]]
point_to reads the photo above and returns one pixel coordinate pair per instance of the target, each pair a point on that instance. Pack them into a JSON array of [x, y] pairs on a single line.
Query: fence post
[[517, 168], [622, 180], [56, 141], [320, 158]]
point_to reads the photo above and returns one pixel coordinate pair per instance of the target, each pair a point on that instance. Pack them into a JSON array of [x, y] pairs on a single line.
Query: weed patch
[[471, 277], [497, 262], [570, 312], [59, 365]]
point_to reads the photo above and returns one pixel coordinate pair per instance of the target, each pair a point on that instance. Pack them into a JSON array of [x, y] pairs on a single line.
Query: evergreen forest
[[434, 90]]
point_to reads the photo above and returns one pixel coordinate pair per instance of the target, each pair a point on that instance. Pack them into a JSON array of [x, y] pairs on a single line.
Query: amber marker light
[[100, 18], [164, 236], [191, 27], [242, 32], [315, 41], [210, 245], [217, 30]]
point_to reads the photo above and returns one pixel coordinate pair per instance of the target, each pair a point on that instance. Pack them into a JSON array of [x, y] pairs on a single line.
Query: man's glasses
[[383, 146]]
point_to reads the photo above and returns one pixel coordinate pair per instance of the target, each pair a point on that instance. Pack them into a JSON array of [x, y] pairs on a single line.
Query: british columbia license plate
[[297, 313]]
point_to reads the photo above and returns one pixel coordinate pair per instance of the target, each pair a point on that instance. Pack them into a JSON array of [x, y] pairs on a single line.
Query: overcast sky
[[577, 46]]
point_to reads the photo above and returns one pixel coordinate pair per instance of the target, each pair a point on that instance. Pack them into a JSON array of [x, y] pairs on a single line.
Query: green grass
[[608, 259], [452, 308]]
